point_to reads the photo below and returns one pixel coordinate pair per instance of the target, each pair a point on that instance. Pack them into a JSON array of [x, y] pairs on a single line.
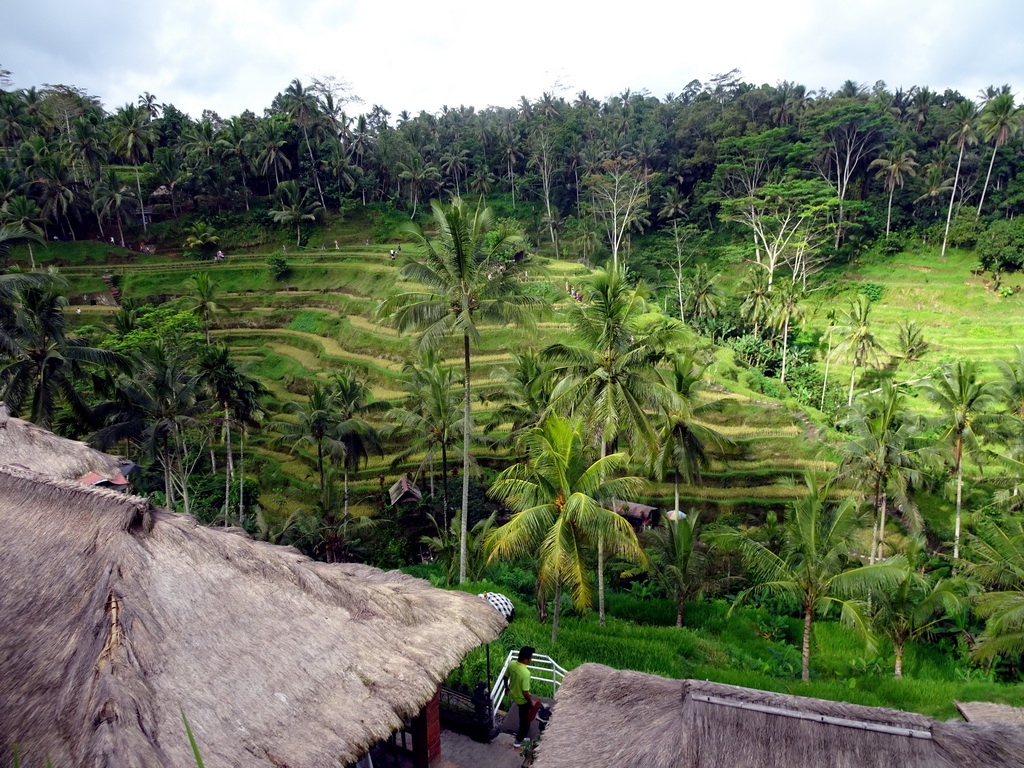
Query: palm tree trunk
[[824, 383], [229, 464], [680, 602], [805, 673], [898, 649], [444, 483], [952, 197], [465, 464], [987, 177], [142, 205], [344, 525], [241, 475], [312, 166], [888, 213], [600, 555], [785, 347], [853, 375], [245, 188], [676, 484], [881, 524], [557, 610], [959, 498], [541, 598], [165, 459]]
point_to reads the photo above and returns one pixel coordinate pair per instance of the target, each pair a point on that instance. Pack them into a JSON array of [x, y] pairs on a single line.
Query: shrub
[[873, 291], [279, 268]]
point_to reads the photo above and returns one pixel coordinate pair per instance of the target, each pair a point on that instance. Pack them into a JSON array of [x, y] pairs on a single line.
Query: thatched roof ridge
[[607, 717], [122, 615], [26, 445]]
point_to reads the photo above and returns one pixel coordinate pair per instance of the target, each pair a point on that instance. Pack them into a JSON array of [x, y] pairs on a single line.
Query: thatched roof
[[606, 717], [23, 444], [119, 616], [986, 711], [404, 490]]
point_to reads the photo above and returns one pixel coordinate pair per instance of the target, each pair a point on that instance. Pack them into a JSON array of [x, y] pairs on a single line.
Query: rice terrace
[[311, 421]]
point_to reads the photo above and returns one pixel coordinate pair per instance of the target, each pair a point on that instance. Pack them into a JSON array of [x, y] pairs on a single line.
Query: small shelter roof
[[404, 490], [23, 444], [606, 717], [121, 616], [990, 712]]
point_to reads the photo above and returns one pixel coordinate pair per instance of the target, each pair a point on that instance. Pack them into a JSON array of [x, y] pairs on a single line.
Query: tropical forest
[[724, 384]]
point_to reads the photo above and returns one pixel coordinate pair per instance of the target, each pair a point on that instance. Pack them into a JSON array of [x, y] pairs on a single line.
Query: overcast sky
[[232, 55]]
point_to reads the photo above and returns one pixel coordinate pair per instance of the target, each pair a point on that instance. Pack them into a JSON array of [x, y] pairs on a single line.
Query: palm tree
[[113, 200], [813, 569], [315, 423], [200, 237], [610, 374], [11, 236], [910, 609], [304, 108], [239, 397], [702, 294], [462, 282], [445, 547], [22, 212], [999, 120], [419, 174], [272, 143], [155, 408], [859, 342], [683, 440], [677, 561], [756, 290], [522, 394], [40, 366], [430, 418], [295, 208], [885, 453], [236, 141], [355, 436], [131, 137], [557, 496], [786, 307], [894, 167], [910, 341], [204, 299], [997, 561], [966, 115], [963, 402]]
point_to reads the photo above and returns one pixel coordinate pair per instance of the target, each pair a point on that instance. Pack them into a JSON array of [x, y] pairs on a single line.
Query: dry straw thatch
[[25, 445], [119, 616], [607, 718]]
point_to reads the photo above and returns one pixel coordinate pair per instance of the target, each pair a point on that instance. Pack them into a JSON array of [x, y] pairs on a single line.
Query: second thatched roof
[[607, 718], [119, 617], [25, 445]]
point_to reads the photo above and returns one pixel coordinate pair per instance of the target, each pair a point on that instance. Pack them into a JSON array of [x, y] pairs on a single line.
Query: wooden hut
[[404, 491], [608, 718], [120, 617]]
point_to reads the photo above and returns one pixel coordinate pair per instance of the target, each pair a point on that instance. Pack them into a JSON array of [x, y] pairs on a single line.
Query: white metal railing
[[543, 669]]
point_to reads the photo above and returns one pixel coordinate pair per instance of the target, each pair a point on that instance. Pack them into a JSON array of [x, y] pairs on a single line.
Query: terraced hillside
[[320, 318]]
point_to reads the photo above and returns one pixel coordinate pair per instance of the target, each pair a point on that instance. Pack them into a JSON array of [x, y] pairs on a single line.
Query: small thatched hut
[[607, 718], [119, 617], [404, 492]]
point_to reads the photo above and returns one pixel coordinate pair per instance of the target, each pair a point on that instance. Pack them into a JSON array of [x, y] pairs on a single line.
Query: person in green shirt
[[517, 683]]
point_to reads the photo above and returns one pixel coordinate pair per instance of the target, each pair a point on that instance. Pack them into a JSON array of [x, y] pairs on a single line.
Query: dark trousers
[[526, 716]]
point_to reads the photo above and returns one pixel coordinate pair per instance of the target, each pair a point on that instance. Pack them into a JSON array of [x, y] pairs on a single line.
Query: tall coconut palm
[[756, 290], [964, 402], [40, 366], [204, 299], [239, 397], [21, 211], [430, 418], [894, 167], [356, 437], [557, 496], [132, 135], [858, 341], [112, 199], [236, 141], [272, 144], [999, 120], [462, 283], [965, 134], [813, 568], [886, 454], [314, 423], [10, 236], [295, 208], [609, 373], [683, 441], [304, 108], [155, 409]]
